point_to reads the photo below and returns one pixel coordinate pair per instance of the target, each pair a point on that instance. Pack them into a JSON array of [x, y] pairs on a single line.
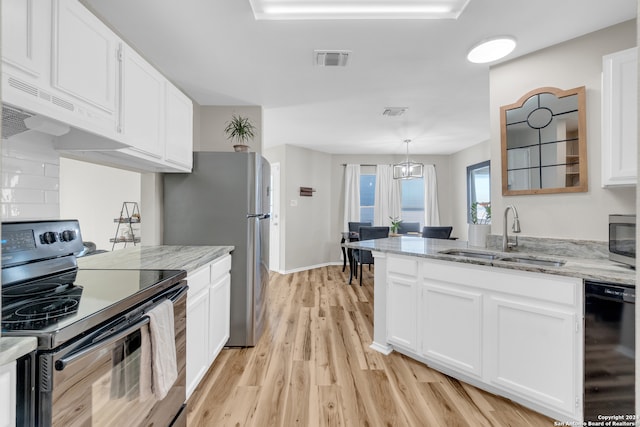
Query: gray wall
[[571, 64], [459, 162]]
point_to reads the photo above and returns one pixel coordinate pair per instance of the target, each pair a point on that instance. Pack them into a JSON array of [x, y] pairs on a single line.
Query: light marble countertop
[[12, 348], [600, 269], [188, 258]]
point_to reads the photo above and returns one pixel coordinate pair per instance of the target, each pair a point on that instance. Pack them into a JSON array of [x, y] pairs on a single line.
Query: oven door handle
[[173, 295], [70, 358]]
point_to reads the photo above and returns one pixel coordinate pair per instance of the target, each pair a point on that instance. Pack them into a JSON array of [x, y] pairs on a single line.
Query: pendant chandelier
[[408, 169]]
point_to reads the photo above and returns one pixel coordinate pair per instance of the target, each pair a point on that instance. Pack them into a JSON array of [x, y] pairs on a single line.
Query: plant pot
[[478, 234], [241, 148]]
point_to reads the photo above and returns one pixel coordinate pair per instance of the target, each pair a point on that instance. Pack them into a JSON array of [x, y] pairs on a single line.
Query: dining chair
[[362, 256], [354, 229], [408, 227], [437, 232]]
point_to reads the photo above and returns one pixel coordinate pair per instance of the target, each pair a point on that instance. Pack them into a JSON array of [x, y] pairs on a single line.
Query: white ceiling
[[220, 55]]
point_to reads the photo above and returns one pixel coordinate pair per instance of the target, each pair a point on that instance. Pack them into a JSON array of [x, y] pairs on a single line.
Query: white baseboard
[[311, 267]]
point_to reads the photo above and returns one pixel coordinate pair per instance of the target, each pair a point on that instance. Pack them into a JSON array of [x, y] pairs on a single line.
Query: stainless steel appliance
[[226, 201], [622, 239], [609, 346], [88, 326]]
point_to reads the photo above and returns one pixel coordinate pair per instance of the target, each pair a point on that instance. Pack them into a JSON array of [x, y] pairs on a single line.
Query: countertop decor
[[601, 269], [188, 258]]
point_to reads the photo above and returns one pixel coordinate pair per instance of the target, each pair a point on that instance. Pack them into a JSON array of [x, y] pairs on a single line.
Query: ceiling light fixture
[[358, 9], [408, 169], [394, 111], [491, 50]]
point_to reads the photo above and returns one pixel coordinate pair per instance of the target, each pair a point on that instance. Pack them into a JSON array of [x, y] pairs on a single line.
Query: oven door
[[99, 384]]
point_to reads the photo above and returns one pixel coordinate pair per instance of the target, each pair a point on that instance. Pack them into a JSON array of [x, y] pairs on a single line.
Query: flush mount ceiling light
[[408, 169], [491, 50], [357, 9], [394, 111]]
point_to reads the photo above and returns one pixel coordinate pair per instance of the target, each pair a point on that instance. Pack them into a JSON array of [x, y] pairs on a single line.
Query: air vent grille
[[13, 121], [331, 58], [394, 111]]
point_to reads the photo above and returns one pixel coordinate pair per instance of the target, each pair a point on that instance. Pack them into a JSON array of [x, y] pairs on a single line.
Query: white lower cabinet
[[452, 326], [515, 333], [8, 395], [208, 317], [532, 350]]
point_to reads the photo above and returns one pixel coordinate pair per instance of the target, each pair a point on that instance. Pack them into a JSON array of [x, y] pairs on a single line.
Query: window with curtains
[[412, 199], [367, 197]]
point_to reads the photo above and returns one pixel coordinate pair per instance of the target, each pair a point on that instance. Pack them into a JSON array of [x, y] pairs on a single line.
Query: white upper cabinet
[[619, 118], [24, 35], [61, 62], [178, 127], [84, 63], [142, 110]]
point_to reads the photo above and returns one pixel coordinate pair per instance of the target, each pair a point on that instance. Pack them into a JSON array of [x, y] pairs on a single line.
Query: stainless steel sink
[[536, 261], [471, 254]]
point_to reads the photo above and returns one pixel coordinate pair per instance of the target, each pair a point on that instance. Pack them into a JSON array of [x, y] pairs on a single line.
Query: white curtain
[[351, 195], [431, 211], [388, 201]]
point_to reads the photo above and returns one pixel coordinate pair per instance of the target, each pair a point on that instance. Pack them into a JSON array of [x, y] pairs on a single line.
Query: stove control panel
[[28, 241]]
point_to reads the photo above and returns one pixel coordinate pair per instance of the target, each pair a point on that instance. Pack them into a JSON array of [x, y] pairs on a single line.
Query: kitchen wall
[[30, 177], [459, 162], [38, 184], [93, 194], [305, 222], [210, 121], [571, 64]]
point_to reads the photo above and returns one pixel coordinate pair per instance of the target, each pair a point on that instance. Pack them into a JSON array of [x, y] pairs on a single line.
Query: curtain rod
[[366, 164]]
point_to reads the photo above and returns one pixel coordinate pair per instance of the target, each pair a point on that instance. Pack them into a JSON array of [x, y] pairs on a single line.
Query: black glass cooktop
[[65, 305]]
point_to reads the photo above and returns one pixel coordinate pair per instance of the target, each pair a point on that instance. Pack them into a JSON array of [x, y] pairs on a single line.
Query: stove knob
[[48, 238], [67, 235]]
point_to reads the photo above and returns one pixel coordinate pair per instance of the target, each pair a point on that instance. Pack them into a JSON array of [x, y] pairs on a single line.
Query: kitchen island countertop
[[167, 257], [13, 348], [583, 268]]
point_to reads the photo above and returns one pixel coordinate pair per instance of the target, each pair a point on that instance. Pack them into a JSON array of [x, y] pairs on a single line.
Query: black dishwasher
[[609, 351]]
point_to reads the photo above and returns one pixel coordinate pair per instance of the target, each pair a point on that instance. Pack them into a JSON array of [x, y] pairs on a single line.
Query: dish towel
[[162, 354]]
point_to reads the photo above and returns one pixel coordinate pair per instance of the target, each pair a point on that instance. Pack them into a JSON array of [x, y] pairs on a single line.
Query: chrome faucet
[[515, 228]]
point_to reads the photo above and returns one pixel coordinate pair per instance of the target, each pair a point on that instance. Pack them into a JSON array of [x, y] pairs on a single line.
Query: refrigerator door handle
[[259, 216]]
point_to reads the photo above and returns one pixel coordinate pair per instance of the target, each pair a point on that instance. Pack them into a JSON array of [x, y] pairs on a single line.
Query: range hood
[[16, 121]]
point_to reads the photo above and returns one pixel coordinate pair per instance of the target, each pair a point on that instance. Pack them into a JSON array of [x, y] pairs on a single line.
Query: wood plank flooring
[[313, 367]]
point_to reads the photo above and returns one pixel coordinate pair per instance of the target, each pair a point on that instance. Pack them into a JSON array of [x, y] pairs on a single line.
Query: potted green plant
[[395, 224], [240, 131], [480, 226]]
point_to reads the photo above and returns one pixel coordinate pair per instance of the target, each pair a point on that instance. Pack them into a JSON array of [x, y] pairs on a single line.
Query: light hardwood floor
[[313, 367]]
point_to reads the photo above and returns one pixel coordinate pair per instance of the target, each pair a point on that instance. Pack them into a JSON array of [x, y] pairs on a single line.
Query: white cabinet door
[[142, 93], [8, 395], [24, 33], [84, 62], [178, 127], [532, 351], [402, 312], [619, 118], [451, 326], [219, 315], [197, 344]]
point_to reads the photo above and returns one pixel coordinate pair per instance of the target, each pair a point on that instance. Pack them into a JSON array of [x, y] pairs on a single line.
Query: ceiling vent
[[394, 111], [331, 58]]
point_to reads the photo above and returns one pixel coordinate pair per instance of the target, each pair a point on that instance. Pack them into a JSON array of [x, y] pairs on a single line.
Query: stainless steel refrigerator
[[225, 201]]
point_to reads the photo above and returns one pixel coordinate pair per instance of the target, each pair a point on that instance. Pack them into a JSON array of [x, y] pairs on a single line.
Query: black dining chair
[[408, 227], [437, 232], [361, 256], [354, 229]]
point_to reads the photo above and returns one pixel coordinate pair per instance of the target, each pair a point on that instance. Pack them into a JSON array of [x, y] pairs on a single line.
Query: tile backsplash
[[30, 178]]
